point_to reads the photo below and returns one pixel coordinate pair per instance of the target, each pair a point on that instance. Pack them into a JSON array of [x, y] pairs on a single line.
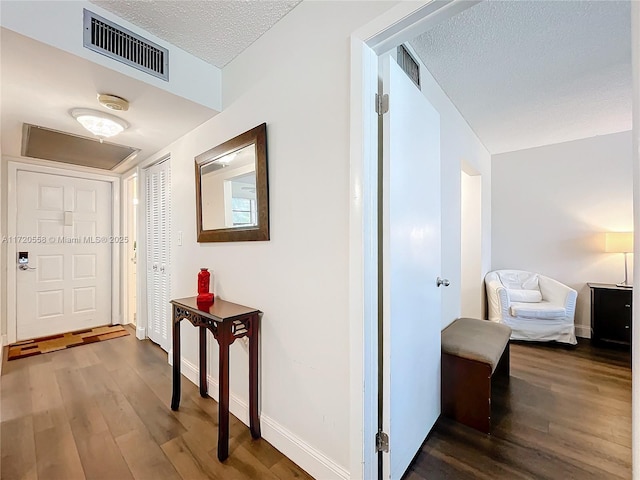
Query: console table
[[610, 314], [226, 321]]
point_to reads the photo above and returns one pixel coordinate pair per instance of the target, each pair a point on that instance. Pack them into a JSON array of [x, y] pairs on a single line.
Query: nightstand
[[610, 314]]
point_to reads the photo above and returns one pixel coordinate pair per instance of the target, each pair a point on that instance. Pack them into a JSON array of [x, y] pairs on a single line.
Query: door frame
[[394, 27], [15, 166], [126, 179]]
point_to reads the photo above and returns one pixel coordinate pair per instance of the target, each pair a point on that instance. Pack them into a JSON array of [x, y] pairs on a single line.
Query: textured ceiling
[[214, 30], [531, 73]]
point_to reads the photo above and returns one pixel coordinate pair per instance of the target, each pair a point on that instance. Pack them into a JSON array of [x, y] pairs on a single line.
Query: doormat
[[52, 343]]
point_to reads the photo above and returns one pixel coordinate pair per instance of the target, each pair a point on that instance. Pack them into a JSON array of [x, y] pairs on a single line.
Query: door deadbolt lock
[[23, 261]]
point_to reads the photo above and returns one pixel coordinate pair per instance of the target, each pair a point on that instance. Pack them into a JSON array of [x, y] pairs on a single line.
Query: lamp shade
[[618, 242]]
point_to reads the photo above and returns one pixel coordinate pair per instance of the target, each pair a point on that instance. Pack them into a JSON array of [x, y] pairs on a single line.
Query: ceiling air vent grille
[[107, 38], [409, 65]]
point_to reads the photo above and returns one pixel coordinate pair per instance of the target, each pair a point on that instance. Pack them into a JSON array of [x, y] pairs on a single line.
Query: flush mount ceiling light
[[227, 159], [99, 123]]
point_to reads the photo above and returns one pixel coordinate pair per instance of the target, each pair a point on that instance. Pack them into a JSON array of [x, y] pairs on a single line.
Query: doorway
[[63, 239], [471, 297], [131, 254], [398, 26]]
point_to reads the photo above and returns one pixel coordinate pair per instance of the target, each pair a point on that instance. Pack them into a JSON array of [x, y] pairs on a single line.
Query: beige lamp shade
[[618, 242]]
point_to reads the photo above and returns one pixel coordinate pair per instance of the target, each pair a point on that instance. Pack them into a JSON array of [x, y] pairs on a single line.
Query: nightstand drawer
[[611, 314]]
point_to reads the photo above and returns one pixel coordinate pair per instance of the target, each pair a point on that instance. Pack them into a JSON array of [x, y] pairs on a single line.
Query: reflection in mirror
[[229, 190], [232, 202]]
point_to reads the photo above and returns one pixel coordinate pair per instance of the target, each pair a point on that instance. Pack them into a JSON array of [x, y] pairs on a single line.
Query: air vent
[[409, 65], [113, 41]]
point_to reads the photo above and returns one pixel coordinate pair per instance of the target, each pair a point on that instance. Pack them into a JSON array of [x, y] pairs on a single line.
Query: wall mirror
[[232, 198]]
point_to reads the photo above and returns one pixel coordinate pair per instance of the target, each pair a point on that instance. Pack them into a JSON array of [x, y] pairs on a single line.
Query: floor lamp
[[620, 242]]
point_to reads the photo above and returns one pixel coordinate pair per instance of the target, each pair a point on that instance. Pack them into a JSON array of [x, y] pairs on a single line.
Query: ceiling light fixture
[[227, 159], [98, 123]]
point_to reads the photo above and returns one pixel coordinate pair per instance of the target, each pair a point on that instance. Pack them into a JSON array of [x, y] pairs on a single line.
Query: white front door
[[64, 225], [158, 226], [411, 264]]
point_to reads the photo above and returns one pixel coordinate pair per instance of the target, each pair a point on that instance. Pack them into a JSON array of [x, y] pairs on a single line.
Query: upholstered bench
[[472, 350]]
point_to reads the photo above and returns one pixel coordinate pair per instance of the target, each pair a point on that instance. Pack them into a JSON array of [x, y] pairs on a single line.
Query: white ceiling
[[42, 90], [213, 30], [531, 73]]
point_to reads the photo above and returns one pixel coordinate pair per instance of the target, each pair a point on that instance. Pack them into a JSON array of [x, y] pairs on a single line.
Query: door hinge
[[382, 442], [382, 104]]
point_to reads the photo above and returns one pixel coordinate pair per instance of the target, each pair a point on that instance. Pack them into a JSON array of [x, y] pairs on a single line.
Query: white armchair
[[537, 308]]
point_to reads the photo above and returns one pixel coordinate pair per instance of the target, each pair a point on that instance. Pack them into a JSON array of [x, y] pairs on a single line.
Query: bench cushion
[[479, 340]]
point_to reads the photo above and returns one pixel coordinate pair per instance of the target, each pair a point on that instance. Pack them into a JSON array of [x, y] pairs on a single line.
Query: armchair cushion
[[518, 280], [539, 310], [525, 296]]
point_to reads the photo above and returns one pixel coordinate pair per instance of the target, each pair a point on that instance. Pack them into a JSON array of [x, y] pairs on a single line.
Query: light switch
[[179, 239], [68, 219]]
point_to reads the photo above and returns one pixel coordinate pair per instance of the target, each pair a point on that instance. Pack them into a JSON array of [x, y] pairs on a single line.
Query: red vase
[[203, 281]]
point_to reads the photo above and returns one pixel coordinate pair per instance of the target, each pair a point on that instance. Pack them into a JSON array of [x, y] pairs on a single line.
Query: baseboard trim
[[5, 341], [314, 462], [583, 331], [141, 333]]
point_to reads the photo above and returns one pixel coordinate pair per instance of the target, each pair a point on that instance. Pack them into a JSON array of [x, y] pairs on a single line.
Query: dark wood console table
[[226, 321]]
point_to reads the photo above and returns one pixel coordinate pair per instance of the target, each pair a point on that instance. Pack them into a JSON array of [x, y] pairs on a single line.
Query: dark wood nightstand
[[610, 314]]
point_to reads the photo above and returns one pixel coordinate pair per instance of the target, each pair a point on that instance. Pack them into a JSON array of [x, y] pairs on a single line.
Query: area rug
[[52, 343]]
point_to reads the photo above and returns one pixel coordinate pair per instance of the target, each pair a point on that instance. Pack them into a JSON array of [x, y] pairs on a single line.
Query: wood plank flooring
[[101, 411], [565, 414]]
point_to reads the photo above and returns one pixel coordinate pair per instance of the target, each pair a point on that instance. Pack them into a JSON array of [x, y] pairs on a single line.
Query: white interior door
[[64, 223], [158, 222], [411, 264]]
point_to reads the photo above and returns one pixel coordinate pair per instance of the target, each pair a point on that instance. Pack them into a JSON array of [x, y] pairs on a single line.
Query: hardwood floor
[[101, 411], [565, 414]]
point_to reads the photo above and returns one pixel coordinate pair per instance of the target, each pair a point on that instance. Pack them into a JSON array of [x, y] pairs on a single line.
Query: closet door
[[158, 226]]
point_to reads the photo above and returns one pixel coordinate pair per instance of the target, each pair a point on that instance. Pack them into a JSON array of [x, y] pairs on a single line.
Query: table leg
[[253, 377], [203, 361], [175, 398], [223, 394]]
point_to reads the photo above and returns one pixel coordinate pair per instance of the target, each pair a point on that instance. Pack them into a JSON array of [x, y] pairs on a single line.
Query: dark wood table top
[[609, 286], [220, 310]]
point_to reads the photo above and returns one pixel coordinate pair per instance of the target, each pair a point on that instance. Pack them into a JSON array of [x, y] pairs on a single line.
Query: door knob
[[442, 281]]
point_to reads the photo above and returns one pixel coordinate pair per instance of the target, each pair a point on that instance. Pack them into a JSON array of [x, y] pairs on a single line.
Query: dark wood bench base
[[466, 389]]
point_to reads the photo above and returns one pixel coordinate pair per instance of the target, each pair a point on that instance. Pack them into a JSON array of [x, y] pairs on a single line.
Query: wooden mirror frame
[[257, 136]]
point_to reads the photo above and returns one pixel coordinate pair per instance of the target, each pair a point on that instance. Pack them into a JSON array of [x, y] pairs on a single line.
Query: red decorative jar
[[204, 278]]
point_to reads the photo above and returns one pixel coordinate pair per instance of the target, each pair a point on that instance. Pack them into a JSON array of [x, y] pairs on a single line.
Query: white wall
[[552, 205], [458, 145], [300, 278]]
